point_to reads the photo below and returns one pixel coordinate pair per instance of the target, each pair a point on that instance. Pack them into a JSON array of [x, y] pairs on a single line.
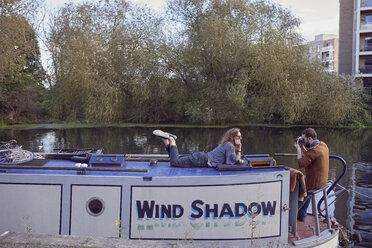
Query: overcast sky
[[317, 16]]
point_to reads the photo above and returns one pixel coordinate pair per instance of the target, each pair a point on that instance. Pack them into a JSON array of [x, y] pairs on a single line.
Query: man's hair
[[229, 136], [310, 132]]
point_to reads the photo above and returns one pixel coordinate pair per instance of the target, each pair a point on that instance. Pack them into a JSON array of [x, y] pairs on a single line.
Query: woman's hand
[[238, 144], [238, 149], [241, 161]]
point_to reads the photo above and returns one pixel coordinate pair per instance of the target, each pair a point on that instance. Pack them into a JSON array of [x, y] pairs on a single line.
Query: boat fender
[[80, 159], [347, 237], [153, 162], [357, 238]]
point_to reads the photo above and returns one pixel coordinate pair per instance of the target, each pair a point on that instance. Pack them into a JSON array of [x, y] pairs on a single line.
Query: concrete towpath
[[25, 240]]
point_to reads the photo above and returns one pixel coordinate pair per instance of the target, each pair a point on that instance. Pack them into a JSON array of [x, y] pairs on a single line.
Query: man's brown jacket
[[316, 164]]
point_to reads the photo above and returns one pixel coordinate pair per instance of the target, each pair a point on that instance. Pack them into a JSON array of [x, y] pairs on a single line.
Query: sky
[[317, 16]]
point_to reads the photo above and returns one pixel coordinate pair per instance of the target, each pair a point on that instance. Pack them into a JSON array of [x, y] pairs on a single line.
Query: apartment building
[[324, 48], [355, 40]]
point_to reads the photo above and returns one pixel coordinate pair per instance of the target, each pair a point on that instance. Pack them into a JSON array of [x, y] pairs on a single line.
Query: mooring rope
[[369, 197]]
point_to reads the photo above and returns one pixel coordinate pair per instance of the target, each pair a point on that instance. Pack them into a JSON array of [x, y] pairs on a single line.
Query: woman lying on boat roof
[[228, 151]]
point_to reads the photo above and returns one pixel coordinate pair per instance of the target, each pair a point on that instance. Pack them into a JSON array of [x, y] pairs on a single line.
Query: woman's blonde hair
[[229, 136]]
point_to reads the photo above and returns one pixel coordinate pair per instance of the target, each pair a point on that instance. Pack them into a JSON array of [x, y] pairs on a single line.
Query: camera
[[300, 139]]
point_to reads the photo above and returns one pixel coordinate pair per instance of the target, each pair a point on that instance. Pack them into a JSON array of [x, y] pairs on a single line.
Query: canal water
[[353, 209]]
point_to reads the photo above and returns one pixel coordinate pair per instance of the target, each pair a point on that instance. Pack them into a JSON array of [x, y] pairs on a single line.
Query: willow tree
[[78, 44], [21, 73], [212, 54], [287, 87], [137, 68], [204, 62], [105, 62]]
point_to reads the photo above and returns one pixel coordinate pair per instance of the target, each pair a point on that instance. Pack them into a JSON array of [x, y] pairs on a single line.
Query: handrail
[[333, 184], [314, 208]]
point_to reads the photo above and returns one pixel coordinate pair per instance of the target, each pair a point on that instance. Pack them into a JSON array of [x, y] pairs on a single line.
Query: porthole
[[95, 206]]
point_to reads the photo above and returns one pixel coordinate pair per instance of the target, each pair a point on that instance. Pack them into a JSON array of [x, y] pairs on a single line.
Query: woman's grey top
[[224, 154]]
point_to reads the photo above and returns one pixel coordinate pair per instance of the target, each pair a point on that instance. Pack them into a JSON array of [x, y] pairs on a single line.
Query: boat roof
[[128, 168]]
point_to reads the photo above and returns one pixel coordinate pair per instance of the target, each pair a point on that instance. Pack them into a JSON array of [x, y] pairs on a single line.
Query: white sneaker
[[164, 135]]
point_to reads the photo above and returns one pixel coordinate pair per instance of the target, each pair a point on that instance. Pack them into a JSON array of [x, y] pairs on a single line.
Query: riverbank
[[12, 240], [69, 125]]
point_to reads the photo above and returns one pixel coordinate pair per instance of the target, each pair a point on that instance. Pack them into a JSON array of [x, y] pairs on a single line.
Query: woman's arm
[[239, 155], [232, 154], [238, 149]]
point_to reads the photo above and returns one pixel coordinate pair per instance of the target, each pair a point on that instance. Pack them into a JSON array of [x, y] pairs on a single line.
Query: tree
[[106, 64], [21, 73], [243, 61], [222, 61], [216, 51]]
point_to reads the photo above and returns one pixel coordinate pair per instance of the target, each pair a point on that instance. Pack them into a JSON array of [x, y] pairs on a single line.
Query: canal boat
[[140, 196]]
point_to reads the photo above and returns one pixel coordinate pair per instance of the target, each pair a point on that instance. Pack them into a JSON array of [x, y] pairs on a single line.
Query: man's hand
[[297, 145]]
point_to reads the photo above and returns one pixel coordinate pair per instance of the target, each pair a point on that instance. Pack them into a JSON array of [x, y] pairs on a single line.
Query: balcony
[[327, 60], [326, 57], [366, 48], [326, 49], [365, 26]]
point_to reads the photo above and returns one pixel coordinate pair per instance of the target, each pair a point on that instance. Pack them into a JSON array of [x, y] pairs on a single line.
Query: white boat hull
[[240, 208]]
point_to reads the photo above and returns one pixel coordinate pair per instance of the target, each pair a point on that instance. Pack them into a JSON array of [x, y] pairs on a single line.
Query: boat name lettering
[[199, 209], [147, 210]]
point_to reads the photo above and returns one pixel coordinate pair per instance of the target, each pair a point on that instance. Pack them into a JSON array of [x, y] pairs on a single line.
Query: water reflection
[[354, 146], [360, 200]]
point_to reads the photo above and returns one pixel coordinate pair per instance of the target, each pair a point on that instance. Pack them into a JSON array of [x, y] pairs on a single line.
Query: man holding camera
[[313, 155]]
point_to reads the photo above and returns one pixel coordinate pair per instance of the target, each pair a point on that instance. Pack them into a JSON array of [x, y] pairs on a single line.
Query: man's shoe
[[164, 135]]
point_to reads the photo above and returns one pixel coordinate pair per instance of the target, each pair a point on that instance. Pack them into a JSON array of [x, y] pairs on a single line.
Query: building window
[[368, 44], [368, 61], [367, 83], [366, 3], [367, 68], [368, 19], [318, 48], [366, 22]]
